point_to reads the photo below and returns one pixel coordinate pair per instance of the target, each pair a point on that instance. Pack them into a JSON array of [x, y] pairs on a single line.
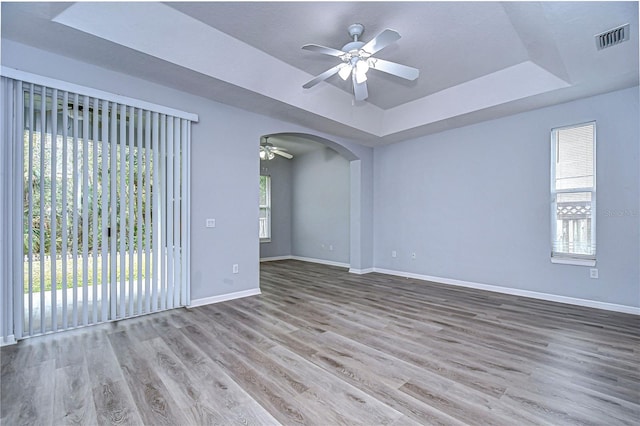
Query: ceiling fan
[[357, 58], [268, 151]]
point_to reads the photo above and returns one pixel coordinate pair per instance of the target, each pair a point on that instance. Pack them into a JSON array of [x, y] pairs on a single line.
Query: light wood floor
[[322, 346]]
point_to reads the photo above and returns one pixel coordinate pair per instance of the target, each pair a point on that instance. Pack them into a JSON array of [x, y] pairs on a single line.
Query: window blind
[[573, 192]]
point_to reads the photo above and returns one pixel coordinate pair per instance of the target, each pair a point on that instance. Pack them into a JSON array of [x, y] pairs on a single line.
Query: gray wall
[[281, 192], [224, 172], [426, 190], [473, 203], [320, 206]]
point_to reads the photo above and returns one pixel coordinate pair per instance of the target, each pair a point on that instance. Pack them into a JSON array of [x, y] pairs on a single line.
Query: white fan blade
[[360, 91], [393, 68], [328, 73], [283, 154], [277, 148], [381, 41], [324, 50]]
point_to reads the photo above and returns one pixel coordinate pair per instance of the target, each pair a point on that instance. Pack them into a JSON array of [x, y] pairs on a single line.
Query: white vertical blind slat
[[30, 228], [85, 209], [9, 179], [6, 245], [156, 213], [170, 212], [139, 212], [94, 210], [162, 180], [130, 196], [187, 217], [147, 213], [104, 200], [10, 216], [183, 219], [65, 226], [122, 229], [54, 210], [13, 304], [75, 198], [43, 115], [15, 309], [176, 212], [7, 131], [113, 172]]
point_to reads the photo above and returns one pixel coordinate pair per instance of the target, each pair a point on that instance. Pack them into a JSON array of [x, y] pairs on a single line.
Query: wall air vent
[[612, 37]]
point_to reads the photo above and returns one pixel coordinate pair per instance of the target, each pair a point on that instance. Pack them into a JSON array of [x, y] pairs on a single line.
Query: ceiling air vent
[[612, 37]]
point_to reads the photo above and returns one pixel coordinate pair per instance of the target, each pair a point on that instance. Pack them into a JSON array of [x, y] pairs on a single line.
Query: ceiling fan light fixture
[[345, 72], [362, 66], [361, 77], [361, 69], [266, 155]]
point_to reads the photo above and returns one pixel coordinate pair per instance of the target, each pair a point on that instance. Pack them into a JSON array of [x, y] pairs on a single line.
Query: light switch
[[211, 223]]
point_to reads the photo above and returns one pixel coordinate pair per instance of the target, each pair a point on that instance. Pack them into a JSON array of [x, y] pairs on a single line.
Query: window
[[265, 208], [573, 194]]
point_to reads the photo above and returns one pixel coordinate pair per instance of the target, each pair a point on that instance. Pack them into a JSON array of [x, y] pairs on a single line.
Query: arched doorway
[[322, 247]]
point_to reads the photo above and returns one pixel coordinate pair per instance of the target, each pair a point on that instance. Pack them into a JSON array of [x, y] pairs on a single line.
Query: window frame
[[267, 208], [567, 257]]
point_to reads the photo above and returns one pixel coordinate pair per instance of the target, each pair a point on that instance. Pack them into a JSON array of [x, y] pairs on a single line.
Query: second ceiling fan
[[268, 151], [357, 58]]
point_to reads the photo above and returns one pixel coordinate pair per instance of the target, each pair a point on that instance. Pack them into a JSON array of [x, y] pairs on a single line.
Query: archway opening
[[307, 199]]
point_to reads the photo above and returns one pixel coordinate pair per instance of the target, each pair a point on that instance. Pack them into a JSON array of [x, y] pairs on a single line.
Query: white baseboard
[[9, 340], [275, 258], [308, 259], [470, 284], [321, 261], [224, 297], [361, 271], [517, 292]]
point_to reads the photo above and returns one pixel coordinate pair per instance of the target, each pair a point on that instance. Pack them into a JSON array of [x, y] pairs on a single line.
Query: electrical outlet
[[211, 223], [593, 273], [394, 253], [235, 268]]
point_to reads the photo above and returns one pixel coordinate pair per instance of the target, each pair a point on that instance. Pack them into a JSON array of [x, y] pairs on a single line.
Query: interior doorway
[[309, 205]]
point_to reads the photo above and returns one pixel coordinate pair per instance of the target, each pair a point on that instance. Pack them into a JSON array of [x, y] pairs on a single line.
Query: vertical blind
[[104, 206]]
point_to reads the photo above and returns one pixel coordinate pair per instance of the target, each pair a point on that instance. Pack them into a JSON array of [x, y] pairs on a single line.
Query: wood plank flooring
[[321, 346]]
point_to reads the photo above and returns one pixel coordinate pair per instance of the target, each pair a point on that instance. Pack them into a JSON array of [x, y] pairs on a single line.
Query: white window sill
[[575, 262], [265, 240]]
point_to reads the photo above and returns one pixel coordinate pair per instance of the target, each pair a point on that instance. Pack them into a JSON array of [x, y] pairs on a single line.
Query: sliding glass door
[[105, 210]]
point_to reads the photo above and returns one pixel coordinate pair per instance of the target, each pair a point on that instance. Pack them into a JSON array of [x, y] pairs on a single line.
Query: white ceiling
[[477, 60]]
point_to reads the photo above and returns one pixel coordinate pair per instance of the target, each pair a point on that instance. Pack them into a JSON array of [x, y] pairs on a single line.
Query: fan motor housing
[[354, 45]]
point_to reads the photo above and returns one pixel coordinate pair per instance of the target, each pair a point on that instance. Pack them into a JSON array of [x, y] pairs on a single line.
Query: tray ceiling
[[478, 60]]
